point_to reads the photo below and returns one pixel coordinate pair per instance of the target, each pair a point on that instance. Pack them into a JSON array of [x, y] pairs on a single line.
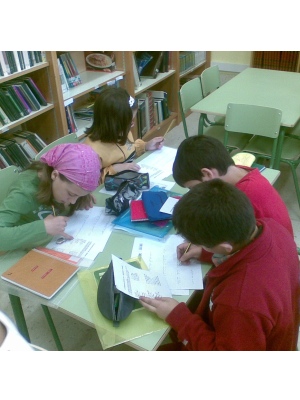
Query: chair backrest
[[70, 138], [255, 120], [7, 177], [189, 94], [210, 80]]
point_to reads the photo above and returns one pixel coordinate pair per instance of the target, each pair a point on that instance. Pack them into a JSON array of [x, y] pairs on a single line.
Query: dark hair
[[45, 195], [214, 212], [197, 152], [112, 116]]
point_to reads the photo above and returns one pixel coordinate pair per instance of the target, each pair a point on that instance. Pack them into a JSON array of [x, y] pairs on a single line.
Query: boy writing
[[202, 158], [251, 295]]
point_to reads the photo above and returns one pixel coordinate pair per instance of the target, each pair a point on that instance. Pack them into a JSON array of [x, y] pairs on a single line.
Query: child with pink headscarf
[[39, 202]]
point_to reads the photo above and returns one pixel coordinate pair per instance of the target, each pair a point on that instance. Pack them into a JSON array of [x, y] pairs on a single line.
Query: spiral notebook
[[40, 273]]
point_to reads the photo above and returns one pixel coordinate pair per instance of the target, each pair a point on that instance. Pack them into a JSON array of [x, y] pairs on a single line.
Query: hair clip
[[131, 101]]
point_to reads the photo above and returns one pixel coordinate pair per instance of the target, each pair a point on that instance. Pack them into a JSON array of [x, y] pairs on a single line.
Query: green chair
[[263, 123], [190, 94], [210, 80], [264, 143], [70, 138], [8, 176]]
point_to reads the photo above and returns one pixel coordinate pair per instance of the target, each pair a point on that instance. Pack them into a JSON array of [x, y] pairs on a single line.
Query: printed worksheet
[[161, 257], [159, 163], [90, 229], [139, 282]]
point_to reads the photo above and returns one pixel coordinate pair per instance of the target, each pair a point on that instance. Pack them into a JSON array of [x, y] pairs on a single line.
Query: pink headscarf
[[77, 162]]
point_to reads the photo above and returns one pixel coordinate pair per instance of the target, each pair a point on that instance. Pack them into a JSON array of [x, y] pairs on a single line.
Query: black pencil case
[[113, 304], [141, 180]]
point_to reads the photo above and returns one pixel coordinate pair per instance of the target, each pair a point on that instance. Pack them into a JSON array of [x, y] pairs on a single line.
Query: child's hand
[[85, 202], [155, 144], [125, 166], [56, 226], [193, 252], [162, 306]]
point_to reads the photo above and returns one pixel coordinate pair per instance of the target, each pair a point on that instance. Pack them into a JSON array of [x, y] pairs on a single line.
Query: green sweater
[[21, 215]]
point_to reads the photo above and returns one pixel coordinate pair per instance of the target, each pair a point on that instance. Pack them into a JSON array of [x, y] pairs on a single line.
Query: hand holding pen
[[186, 251], [56, 225]]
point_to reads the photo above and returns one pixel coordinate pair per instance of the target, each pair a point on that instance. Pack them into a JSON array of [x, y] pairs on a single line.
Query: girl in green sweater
[[39, 203]]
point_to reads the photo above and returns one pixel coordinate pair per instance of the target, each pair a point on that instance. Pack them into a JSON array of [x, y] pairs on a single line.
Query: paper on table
[[169, 205], [139, 282], [164, 158], [90, 229], [161, 257]]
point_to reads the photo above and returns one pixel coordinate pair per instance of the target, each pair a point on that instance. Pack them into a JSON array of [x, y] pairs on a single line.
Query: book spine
[[29, 149], [31, 58], [63, 79], [26, 59], [21, 60], [10, 92], [1, 69], [17, 61], [26, 106], [4, 55], [10, 105], [36, 91], [151, 109], [7, 160], [6, 106], [74, 69], [29, 96], [4, 117]]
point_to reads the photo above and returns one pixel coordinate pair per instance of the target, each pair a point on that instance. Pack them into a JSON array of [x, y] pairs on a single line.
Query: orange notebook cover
[[40, 273]]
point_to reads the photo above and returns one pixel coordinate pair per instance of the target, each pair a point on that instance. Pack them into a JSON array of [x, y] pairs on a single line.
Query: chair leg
[[293, 169], [52, 327], [201, 124]]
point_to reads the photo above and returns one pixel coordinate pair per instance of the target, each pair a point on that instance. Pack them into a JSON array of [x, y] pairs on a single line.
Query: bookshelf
[[50, 121], [47, 121]]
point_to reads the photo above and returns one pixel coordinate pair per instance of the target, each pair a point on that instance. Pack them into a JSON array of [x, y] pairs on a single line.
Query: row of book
[[147, 64], [189, 59], [152, 110], [16, 61], [71, 121], [68, 71], [278, 60], [19, 148], [19, 98]]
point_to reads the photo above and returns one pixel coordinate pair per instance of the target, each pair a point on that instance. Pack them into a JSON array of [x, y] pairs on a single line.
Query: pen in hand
[[53, 209], [187, 249]]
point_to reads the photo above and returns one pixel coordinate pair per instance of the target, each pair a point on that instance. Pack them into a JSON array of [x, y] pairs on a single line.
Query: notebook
[[137, 211], [40, 273]]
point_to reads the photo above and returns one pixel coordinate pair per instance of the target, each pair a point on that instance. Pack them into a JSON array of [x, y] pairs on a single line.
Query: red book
[[137, 211]]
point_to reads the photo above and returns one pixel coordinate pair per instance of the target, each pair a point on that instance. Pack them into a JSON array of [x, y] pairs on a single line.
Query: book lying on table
[[40, 273]]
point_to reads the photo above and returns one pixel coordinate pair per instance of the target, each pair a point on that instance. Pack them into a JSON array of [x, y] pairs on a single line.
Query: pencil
[[187, 249], [53, 211]]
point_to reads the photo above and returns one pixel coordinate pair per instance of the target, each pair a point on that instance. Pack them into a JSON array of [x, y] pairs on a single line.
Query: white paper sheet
[[159, 163], [162, 258], [138, 282], [169, 205], [90, 229]]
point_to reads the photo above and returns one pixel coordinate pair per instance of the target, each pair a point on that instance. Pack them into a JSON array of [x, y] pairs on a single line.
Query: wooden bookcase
[[50, 121], [47, 121]]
